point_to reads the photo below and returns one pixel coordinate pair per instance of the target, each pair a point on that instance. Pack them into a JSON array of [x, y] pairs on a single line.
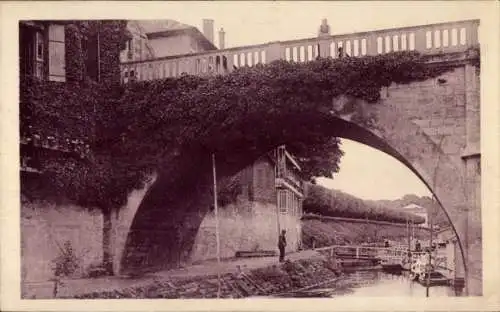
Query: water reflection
[[376, 284]]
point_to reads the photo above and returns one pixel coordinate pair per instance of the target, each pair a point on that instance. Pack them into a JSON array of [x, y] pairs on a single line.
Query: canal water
[[375, 283]]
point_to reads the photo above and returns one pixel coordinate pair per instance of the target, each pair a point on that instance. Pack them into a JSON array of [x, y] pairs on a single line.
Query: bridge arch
[[167, 220]]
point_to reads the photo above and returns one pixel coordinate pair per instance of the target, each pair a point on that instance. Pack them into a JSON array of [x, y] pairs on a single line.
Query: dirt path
[[74, 287]]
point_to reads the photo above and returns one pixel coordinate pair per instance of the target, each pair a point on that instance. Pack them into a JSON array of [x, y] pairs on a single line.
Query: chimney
[[222, 39], [208, 29]]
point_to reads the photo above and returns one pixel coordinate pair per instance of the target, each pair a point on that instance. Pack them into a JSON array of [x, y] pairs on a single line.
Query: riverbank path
[[73, 287]]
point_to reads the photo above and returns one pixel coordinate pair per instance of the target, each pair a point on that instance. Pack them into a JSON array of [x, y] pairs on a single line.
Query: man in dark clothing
[[418, 247], [282, 245]]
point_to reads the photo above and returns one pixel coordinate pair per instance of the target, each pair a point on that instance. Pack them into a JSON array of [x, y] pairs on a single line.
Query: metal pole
[[278, 192], [216, 210], [430, 256], [409, 239]]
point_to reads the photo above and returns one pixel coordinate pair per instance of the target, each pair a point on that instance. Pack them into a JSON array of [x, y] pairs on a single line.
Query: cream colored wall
[[45, 227], [173, 45], [244, 226]]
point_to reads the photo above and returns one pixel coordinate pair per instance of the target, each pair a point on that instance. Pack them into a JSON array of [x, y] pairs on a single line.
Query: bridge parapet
[[427, 39]]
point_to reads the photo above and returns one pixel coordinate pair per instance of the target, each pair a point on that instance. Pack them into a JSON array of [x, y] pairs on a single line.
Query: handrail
[[449, 37]]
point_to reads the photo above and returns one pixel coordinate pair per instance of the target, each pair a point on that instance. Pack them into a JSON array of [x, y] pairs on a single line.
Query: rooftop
[[168, 27], [154, 26]]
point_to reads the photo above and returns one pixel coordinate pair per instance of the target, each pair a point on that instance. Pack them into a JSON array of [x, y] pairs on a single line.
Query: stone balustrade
[[427, 39]]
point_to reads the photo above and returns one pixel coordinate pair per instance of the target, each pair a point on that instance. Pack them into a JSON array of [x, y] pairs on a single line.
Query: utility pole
[[216, 210]]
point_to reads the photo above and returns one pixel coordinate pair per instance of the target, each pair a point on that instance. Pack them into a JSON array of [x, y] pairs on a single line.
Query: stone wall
[[121, 221], [438, 106], [243, 226], [446, 111], [46, 227]]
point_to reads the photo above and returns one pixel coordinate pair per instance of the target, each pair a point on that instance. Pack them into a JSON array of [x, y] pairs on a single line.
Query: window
[[39, 46], [32, 51], [282, 201]]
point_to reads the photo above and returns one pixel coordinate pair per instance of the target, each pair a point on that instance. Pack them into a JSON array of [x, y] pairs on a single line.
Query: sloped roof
[[155, 26], [167, 27]]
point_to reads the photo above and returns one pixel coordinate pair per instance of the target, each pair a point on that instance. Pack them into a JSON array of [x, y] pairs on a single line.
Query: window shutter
[[57, 62]]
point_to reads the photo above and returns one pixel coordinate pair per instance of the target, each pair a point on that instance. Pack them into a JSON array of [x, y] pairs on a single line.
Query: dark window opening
[[91, 46]]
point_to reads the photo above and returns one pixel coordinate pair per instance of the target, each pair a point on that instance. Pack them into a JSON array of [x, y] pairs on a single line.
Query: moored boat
[[433, 278]]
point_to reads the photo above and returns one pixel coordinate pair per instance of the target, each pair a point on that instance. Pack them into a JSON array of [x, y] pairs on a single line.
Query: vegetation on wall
[[334, 203], [128, 131], [132, 128]]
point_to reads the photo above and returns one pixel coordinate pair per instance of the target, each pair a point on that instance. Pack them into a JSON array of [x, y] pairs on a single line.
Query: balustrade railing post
[[421, 40], [324, 48], [371, 45], [274, 52]]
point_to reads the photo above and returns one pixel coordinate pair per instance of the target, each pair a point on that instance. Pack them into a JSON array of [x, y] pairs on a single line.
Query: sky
[[248, 23]]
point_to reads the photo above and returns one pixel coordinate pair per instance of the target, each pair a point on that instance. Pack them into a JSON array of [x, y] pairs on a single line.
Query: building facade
[[269, 199], [53, 229], [153, 39]]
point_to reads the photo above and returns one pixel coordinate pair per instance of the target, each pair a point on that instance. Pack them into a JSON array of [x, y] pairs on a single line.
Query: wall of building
[[137, 48], [243, 226], [172, 45], [263, 181], [250, 223]]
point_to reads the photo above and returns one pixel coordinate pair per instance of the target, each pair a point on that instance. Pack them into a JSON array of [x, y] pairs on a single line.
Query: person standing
[[282, 245], [418, 247]]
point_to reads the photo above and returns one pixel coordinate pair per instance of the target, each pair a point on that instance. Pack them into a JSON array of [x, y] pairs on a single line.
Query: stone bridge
[[430, 126]]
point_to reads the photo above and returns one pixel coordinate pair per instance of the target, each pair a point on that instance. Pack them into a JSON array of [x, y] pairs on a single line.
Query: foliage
[[139, 128], [66, 262], [433, 208], [333, 203], [328, 233]]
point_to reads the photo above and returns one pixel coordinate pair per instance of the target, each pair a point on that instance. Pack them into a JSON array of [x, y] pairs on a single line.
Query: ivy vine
[[134, 129]]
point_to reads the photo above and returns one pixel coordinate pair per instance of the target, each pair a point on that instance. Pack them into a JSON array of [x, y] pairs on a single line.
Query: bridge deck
[[427, 39]]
